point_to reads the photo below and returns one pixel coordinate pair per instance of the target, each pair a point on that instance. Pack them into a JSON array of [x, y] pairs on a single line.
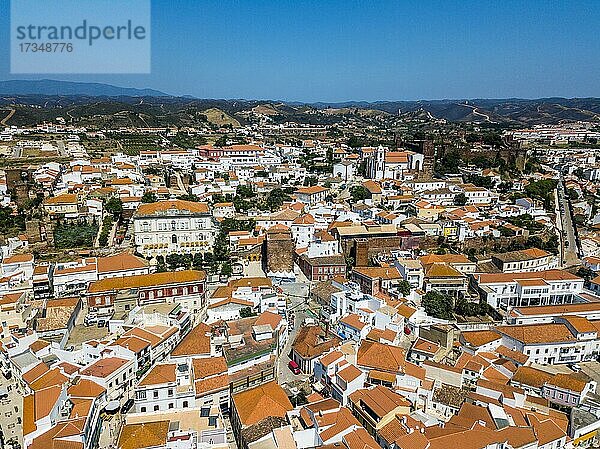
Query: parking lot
[[82, 333], [11, 409]]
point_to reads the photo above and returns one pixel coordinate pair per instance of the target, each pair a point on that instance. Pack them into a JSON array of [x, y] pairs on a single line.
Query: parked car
[[294, 368], [90, 320], [127, 406]]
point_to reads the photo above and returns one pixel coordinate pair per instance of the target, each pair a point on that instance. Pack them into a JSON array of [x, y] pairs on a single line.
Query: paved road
[[568, 241], [7, 118], [180, 183], [62, 151], [11, 410], [297, 296]]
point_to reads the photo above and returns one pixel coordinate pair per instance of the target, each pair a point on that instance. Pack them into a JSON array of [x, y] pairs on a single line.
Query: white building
[[174, 226], [526, 260], [567, 340], [504, 290]]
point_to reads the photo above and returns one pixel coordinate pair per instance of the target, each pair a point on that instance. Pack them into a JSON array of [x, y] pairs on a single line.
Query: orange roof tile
[[257, 403]]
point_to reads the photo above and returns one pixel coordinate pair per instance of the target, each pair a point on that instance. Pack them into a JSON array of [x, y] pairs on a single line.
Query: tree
[[493, 139], [438, 305], [276, 198], [504, 186], [189, 197], [226, 269], [175, 261], [460, 199], [208, 258], [149, 197], [299, 399], [160, 264], [221, 141], [355, 142], [404, 287], [359, 193], [449, 162], [75, 235], [221, 247], [542, 189], [481, 181], [349, 263], [572, 194], [244, 191], [246, 312], [114, 206], [469, 308], [586, 273], [311, 181], [197, 261]]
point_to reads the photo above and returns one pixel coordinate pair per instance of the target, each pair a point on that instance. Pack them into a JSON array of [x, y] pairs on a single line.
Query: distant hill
[[509, 111], [107, 105], [54, 87]]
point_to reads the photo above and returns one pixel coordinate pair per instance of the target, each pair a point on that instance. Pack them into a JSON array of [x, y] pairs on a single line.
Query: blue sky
[[332, 50]]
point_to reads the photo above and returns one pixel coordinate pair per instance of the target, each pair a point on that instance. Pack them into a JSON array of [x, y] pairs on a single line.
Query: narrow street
[[297, 296], [568, 241]]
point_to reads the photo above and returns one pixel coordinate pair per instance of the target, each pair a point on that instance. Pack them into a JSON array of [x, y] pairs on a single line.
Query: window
[[155, 394], [156, 408], [143, 409], [170, 405], [185, 404], [170, 392]]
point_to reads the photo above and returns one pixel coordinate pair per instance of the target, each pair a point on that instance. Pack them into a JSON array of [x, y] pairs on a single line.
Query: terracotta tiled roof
[[144, 435], [104, 367], [211, 384], [85, 389], [256, 404], [164, 206], [160, 374], [269, 318], [311, 190], [146, 280], [196, 342], [65, 198], [548, 275], [207, 367], [386, 273], [349, 373], [539, 333], [381, 357], [480, 338], [310, 342], [18, 258], [353, 320], [35, 373], [49, 379], [120, 262], [573, 381]]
